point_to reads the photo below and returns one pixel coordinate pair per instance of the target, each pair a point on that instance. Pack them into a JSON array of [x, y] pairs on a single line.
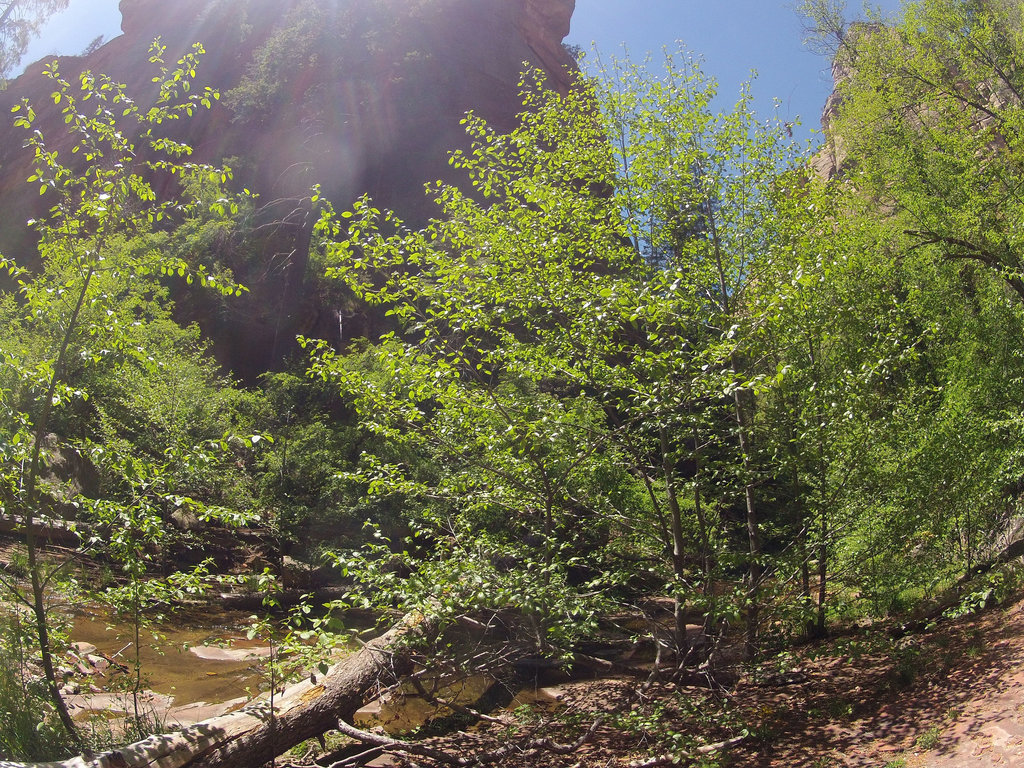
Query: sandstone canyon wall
[[360, 96]]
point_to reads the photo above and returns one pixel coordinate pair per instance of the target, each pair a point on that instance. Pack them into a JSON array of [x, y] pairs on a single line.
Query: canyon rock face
[[830, 159], [359, 96], [826, 163]]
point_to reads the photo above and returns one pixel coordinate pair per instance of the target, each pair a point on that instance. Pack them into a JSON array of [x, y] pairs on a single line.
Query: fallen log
[[50, 529], [1012, 550], [250, 737]]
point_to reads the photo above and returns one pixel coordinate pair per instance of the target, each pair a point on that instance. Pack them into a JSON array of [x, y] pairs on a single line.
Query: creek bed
[[169, 668], [199, 663]]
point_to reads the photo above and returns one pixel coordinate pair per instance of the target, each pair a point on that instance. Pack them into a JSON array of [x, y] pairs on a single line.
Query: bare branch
[[707, 749]]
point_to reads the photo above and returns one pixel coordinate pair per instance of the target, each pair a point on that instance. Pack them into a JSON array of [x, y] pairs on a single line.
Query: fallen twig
[[400, 747], [707, 749]]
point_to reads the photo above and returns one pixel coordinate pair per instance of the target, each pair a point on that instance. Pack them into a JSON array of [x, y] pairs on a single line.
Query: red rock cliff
[[360, 96]]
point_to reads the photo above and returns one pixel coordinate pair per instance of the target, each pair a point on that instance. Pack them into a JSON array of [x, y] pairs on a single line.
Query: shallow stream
[[201, 658], [168, 666]]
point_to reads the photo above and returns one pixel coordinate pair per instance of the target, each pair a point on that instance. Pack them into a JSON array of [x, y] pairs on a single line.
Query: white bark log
[[249, 737]]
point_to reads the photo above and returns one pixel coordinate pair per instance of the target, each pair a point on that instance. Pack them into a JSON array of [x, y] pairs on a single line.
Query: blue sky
[[73, 30], [733, 37]]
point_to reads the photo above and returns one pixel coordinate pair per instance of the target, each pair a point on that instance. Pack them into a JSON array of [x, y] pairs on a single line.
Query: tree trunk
[[31, 509], [754, 567], [805, 583], [678, 540], [821, 627], [251, 737], [6, 15]]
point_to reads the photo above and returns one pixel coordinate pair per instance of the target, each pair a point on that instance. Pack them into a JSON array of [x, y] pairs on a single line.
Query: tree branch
[[707, 749]]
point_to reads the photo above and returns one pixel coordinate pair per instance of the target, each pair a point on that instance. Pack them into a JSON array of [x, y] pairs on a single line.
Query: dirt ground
[[947, 698], [951, 696]]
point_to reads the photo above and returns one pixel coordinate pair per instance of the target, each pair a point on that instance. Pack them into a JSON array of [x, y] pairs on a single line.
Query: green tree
[[69, 316], [564, 383], [707, 190], [921, 272], [930, 120], [511, 465], [20, 21], [830, 337]]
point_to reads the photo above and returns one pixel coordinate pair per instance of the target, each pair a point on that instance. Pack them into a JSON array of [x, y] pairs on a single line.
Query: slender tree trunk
[[31, 504], [698, 509], [822, 573], [824, 533], [678, 541], [805, 582], [755, 570], [6, 15], [137, 671], [969, 539], [706, 556]]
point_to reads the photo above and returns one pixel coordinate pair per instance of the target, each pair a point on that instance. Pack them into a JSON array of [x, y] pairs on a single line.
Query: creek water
[[168, 666], [228, 668]]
